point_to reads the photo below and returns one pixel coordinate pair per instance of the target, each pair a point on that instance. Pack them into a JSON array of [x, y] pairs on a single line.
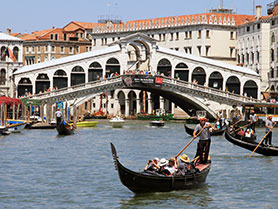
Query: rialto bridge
[[188, 82]]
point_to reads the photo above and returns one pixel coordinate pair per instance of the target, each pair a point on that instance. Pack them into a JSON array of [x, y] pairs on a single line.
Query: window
[[53, 49], [177, 49], [171, 37], [164, 37], [177, 36], [231, 51], [232, 35], [207, 50], [39, 49], [62, 49], [248, 29], [46, 58], [105, 41], [185, 49], [3, 77], [152, 35], [39, 59], [71, 49], [159, 36], [81, 35], [199, 34], [33, 49], [76, 35], [207, 34], [102, 41], [27, 49], [65, 37], [185, 35], [51, 36], [190, 34], [56, 36], [113, 39], [258, 26], [53, 58], [87, 48], [46, 48], [199, 50], [95, 41], [77, 49]]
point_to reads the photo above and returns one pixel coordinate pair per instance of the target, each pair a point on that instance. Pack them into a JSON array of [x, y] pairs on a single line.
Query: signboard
[[142, 81]]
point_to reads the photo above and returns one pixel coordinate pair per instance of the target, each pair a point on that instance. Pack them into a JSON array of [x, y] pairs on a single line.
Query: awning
[[9, 100], [31, 101]]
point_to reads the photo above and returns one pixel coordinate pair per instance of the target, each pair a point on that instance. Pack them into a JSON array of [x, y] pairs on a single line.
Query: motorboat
[[117, 122]]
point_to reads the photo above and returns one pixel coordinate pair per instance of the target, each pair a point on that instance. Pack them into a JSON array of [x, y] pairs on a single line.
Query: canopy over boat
[[150, 182], [9, 100]]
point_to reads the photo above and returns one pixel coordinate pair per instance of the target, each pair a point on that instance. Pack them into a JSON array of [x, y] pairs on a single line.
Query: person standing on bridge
[[203, 145]]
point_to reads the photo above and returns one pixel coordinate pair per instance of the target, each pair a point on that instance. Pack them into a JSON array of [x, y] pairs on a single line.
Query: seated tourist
[[152, 165], [171, 167], [184, 165], [248, 133], [162, 163], [241, 132]]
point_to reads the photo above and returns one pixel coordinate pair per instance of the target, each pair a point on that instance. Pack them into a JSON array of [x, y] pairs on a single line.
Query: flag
[[8, 52]]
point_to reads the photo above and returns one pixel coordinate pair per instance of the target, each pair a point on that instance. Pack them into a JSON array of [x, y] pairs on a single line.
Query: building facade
[[7, 65]]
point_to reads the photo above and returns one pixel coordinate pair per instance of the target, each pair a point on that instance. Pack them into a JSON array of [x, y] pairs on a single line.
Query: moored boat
[[65, 129], [217, 132], [251, 145], [16, 128], [158, 123], [87, 124], [142, 182], [117, 122]]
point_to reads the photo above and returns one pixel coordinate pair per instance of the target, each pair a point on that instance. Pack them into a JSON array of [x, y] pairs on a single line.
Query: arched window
[[15, 52], [233, 85], [199, 76], [60, 79], [42, 83], [3, 77], [3, 56], [95, 71], [77, 75], [24, 86], [181, 72], [112, 67], [250, 89], [164, 67], [216, 80]]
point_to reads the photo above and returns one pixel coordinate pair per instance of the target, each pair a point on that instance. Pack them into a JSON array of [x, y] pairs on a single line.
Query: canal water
[[42, 170]]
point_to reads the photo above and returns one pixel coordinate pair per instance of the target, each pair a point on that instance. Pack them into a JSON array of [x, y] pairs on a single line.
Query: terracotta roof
[[239, 19], [74, 25]]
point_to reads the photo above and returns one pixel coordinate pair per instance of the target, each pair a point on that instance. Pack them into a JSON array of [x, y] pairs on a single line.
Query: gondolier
[[204, 141], [58, 114], [253, 120], [268, 125]]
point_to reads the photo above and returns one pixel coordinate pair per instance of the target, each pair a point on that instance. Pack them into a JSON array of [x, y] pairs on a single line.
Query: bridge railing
[[210, 90], [74, 88]]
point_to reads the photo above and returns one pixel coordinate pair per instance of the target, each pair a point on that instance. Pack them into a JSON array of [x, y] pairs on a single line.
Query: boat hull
[[16, 128], [64, 129], [157, 123], [87, 124], [251, 145], [146, 182]]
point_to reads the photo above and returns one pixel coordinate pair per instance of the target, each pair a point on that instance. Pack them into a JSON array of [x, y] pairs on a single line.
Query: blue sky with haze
[[30, 15]]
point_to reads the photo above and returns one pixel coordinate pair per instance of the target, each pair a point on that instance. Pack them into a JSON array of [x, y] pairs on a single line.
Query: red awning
[[9, 100]]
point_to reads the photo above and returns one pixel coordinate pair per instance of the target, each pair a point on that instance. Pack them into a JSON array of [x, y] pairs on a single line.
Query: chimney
[[9, 31]]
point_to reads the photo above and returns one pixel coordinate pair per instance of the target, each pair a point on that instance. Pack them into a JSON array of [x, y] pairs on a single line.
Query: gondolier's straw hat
[[184, 158]]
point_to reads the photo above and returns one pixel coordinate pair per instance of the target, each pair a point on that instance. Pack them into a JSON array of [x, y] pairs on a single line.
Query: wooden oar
[[72, 127], [242, 127], [262, 140], [196, 158], [190, 142]]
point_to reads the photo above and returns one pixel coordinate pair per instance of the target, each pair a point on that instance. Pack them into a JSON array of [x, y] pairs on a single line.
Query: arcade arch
[[233, 85], [216, 80], [121, 99], [42, 83], [199, 75], [95, 72], [24, 86], [250, 88], [77, 75], [60, 79], [181, 72], [3, 77], [164, 66], [112, 66]]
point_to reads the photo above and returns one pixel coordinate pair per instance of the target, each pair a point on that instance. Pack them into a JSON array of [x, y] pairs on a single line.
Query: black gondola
[[65, 129], [143, 182], [213, 133], [157, 123], [251, 145]]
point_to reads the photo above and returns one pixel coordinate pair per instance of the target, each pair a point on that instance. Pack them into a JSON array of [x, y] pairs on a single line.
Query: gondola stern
[[114, 154]]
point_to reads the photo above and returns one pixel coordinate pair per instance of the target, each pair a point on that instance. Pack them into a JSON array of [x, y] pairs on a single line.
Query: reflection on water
[[41, 170]]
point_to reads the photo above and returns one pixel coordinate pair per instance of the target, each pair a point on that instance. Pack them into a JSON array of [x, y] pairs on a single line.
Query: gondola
[[143, 182], [251, 145], [65, 129], [213, 133]]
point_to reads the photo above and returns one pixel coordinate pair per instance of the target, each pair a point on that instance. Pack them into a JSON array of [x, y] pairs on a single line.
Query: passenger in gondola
[[241, 132], [204, 140], [268, 126], [184, 166], [248, 133], [171, 167], [153, 165], [162, 163]]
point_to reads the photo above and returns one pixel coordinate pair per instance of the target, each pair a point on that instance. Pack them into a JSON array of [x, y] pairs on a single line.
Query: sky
[[26, 16]]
